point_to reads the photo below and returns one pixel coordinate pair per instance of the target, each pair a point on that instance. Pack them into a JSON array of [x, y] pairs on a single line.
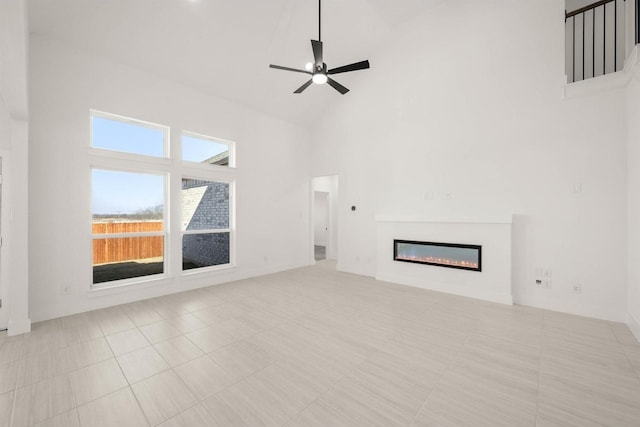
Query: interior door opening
[[321, 224], [324, 215]]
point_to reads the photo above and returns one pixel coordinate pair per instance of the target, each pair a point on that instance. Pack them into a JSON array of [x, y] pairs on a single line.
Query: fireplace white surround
[[493, 283]]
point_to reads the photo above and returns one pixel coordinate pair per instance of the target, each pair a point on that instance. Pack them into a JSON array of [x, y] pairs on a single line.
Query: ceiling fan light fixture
[[318, 69], [319, 78]]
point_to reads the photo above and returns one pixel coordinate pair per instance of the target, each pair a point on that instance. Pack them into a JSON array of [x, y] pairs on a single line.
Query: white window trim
[[212, 176], [174, 170], [230, 144], [124, 119], [165, 233]]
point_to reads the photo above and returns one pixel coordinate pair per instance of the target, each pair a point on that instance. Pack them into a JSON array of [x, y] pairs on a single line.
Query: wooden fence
[[126, 248]]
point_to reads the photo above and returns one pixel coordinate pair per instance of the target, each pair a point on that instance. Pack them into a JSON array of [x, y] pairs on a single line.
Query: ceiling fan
[[318, 70]]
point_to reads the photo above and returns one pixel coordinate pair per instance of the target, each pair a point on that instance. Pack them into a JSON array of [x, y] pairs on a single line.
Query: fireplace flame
[[443, 261]]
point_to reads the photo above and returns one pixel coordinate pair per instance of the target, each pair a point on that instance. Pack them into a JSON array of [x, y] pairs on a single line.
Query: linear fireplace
[[452, 255]]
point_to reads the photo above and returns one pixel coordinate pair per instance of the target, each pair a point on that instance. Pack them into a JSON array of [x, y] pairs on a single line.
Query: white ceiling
[[224, 47]]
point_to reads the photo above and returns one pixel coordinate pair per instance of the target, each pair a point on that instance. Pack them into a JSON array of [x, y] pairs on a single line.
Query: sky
[[116, 192]]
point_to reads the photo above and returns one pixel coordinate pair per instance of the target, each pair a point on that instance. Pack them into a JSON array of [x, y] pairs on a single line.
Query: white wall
[[633, 213], [469, 118], [14, 115], [272, 175]]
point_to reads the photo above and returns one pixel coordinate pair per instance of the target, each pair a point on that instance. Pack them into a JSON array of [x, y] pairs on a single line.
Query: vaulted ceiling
[[224, 47]]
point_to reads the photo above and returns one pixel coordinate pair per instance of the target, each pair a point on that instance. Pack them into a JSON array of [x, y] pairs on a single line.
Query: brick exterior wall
[[212, 212]]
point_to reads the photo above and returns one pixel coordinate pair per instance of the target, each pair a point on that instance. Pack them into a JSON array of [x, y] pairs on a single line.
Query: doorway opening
[[324, 214], [320, 224]]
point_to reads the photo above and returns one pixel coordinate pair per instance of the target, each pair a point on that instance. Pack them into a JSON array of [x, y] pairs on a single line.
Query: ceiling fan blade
[[337, 86], [317, 52], [279, 67], [303, 87], [362, 65]]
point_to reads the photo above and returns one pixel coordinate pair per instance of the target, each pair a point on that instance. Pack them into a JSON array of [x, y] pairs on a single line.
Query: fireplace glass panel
[[452, 255]]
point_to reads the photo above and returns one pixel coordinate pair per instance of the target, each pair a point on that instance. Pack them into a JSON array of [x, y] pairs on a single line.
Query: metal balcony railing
[[596, 38]]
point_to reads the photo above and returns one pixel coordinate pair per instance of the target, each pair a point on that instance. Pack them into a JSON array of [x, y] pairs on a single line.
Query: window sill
[[198, 272], [127, 285]]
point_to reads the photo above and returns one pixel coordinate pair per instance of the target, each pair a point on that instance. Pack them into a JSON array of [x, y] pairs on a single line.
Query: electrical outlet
[[577, 188], [539, 283], [577, 288], [66, 289]]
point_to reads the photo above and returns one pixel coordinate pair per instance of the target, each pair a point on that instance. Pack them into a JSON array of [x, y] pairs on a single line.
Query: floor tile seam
[[66, 372], [439, 329], [217, 348], [613, 332], [210, 395], [556, 376], [376, 394], [579, 348], [426, 401], [117, 332], [121, 372], [548, 331], [325, 392], [149, 343], [604, 394], [14, 386], [74, 405], [175, 336], [198, 402], [509, 341], [13, 407], [131, 384], [633, 367], [107, 395], [135, 396], [208, 355], [553, 360], [18, 357], [539, 370], [165, 359]]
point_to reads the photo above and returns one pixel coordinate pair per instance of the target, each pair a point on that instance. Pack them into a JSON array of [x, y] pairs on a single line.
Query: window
[[137, 187], [128, 136], [127, 225], [205, 150], [205, 223]]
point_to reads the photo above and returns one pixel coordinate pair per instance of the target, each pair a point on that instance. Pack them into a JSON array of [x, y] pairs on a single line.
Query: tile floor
[[315, 347]]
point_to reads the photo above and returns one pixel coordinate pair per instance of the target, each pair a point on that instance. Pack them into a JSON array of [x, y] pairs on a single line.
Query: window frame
[[231, 229], [174, 169], [166, 148], [213, 167], [164, 233]]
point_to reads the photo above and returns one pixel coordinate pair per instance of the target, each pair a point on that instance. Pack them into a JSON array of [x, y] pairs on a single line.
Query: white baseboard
[[497, 297], [576, 307], [18, 326], [181, 284]]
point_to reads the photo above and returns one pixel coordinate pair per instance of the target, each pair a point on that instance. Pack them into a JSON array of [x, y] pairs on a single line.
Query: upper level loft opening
[[599, 36]]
